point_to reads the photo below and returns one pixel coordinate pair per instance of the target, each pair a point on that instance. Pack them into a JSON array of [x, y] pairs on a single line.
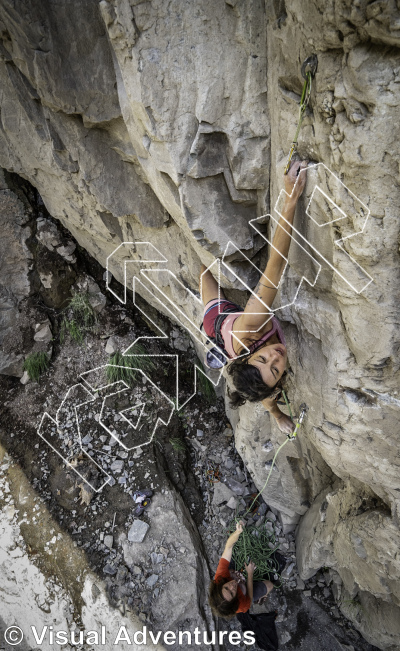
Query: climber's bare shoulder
[[247, 333]]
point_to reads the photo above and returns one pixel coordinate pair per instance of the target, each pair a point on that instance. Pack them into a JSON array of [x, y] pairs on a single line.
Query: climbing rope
[[260, 546], [287, 403], [256, 544], [308, 70], [290, 437], [269, 475]]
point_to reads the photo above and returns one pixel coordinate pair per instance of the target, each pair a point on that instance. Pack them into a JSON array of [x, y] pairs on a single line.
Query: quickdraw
[[303, 411], [308, 71]]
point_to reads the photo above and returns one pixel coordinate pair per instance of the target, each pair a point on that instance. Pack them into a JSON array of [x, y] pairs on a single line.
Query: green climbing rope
[[269, 475], [256, 543], [308, 70], [287, 404]]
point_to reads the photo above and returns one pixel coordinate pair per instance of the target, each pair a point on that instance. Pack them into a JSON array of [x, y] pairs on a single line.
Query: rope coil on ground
[[258, 545]]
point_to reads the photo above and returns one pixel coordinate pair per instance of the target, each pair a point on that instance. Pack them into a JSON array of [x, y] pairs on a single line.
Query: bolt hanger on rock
[[308, 71]]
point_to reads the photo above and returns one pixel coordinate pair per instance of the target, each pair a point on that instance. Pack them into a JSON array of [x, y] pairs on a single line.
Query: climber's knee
[[270, 586]]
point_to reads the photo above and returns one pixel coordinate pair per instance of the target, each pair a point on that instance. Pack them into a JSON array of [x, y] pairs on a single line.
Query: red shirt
[[223, 572]]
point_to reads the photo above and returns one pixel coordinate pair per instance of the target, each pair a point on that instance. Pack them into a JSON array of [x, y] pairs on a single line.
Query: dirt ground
[[171, 459]]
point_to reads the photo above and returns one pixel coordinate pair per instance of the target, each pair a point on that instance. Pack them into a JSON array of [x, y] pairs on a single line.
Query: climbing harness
[[308, 70], [217, 357]]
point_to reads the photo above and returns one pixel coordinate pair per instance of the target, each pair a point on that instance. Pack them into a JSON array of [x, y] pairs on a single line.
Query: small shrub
[[207, 388], [80, 320], [120, 366], [73, 329], [177, 444], [146, 364], [35, 364], [119, 369], [83, 311]]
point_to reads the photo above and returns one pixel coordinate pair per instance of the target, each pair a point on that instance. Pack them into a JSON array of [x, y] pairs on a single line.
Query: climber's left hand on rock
[[294, 181]]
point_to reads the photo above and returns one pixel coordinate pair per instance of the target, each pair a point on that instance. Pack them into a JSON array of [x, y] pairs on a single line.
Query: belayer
[[256, 373], [229, 593]]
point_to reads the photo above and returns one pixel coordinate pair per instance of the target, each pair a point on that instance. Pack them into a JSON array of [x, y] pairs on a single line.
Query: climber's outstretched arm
[[233, 538], [251, 319]]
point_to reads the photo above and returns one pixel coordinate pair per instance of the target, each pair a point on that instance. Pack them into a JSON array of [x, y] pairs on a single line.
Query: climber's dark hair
[[248, 383], [219, 605]]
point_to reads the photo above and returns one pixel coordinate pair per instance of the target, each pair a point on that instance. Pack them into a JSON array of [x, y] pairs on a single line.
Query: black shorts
[[259, 590]]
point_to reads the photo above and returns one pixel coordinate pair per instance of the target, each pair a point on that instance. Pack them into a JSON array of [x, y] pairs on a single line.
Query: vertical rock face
[[169, 123], [14, 283], [343, 345], [61, 586]]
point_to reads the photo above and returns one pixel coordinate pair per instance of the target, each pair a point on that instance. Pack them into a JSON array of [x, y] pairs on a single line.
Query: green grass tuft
[[83, 311], [177, 444], [80, 320], [35, 364], [206, 388], [146, 364], [119, 368], [74, 330]]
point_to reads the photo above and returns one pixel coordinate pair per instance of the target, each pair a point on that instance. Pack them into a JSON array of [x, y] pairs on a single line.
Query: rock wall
[[169, 123], [60, 588], [15, 283]]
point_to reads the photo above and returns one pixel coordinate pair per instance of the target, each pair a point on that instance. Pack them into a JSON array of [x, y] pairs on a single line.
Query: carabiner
[[310, 65], [308, 70], [303, 411]]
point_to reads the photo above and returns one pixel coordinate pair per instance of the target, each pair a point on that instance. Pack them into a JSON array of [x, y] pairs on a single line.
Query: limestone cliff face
[[169, 123]]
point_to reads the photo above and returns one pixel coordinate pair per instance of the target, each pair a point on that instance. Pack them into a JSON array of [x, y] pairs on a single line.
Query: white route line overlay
[[91, 399], [339, 242], [46, 415], [157, 257]]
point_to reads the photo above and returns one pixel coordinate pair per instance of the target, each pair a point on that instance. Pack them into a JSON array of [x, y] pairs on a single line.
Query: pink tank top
[[226, 332]]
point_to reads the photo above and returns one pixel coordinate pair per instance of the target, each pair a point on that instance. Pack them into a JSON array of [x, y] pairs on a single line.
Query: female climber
[[229, 593], [260, 357]]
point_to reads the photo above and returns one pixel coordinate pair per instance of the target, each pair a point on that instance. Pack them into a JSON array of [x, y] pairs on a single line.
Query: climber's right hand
[[294, 181], [250, 567], [285, 424], [240, 525]]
